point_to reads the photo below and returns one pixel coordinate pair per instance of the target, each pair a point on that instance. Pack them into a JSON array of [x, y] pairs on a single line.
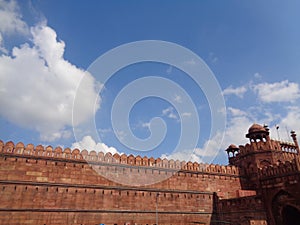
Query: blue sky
[[252, 48]]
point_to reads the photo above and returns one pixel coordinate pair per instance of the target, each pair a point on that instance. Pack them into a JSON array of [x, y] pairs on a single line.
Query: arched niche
[[285, 208]]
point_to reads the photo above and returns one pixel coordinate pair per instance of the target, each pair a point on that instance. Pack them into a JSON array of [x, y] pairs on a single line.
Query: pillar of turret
[[267, 129], [294, 136]]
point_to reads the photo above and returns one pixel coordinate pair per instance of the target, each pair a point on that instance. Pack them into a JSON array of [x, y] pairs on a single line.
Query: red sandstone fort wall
[[36, 165], [280, 186], [245, 211], [55, 186]]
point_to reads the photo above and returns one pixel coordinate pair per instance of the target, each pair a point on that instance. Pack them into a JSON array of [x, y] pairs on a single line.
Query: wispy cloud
[[190, 62], [291, 121], [212, 57], [237, 126], [146, 125], [177, 99], [239, 91], [257, 76], [169, 112], [10, 22], [121, 134], [236, 112], [169, 70], [105, 131], [186, 114]]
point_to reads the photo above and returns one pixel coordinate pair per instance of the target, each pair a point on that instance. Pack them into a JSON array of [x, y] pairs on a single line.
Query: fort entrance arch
[[286, 211], [290, 215]]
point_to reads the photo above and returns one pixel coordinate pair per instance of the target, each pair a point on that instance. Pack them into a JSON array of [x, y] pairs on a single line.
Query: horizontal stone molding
[[102, 187], [101, 211]]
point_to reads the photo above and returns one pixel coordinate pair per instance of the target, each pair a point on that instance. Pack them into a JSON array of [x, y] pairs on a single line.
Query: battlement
[[260, 146], [50, 153], [281, 169], [286, 148]]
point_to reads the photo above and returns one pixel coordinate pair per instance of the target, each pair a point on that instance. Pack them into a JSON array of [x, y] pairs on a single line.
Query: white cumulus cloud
[[283, 91], [183, 155], [90, 144], [10, 21], [38, 86]]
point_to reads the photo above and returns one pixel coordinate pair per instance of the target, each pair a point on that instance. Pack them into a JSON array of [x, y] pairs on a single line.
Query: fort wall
[[76, 155], [46, 185], [245, 211], [59, 185], [280, 186]]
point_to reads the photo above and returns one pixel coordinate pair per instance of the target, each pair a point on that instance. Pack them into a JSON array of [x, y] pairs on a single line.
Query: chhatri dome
[[256, 128], [258, 132]]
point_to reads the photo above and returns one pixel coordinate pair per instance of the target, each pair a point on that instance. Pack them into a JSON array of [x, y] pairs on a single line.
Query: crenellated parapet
[[288, 147], [260, 141], [286, 168], [30, 151], [260, 146], [288, 156]]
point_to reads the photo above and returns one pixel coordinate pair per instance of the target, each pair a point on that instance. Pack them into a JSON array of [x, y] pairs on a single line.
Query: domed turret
[[233, 149], [232, 152], [232, 146], [258, 132], [256, 128]]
